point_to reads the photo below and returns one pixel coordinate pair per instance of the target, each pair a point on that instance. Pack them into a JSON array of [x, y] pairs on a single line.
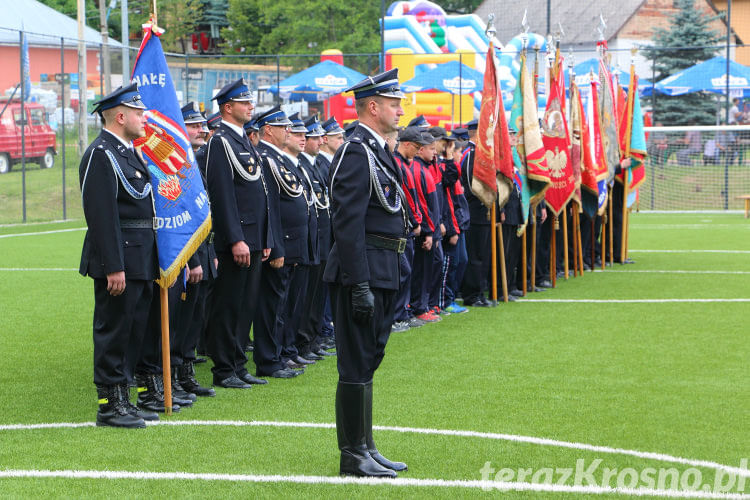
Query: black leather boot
[[113, 412], [190, 384], [151, 393], [178, 391], [176, 399], [374, 453], [148, 416], [350, 430]]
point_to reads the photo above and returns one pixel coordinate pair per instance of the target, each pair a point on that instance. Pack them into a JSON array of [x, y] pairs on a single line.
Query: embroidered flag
[[493, 153], [596, 146], [557, 144], [608, 120], [183, 218]]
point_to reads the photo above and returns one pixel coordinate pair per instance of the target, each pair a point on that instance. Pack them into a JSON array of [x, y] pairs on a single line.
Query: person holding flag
[[119, 251]]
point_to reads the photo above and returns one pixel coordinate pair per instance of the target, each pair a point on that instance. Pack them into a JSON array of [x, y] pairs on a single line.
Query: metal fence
[[38, 186]]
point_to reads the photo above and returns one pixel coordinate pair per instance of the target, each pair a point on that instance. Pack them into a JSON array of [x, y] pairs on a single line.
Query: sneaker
[[399, 326], [440, 312], [429, 317], [415, 322], [456, 309]]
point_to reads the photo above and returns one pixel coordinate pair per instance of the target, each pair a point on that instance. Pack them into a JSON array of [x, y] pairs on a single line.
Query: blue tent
[[583, 69], [452, 77], [318, 82], [708, 76]]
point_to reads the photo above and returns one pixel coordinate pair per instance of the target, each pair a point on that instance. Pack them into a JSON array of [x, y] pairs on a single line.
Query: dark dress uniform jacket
[[478, 213], [239, 206], [320, 190], [356, 211], [205, 254], [293, 211], [107, 248]]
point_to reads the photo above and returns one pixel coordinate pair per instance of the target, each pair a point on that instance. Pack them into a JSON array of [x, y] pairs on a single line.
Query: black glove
[[363, 303]]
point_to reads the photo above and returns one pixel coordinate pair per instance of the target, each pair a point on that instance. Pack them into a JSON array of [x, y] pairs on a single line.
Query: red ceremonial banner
[[557, 145]]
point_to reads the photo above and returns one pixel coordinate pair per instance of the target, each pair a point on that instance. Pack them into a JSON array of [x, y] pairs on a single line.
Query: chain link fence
[[40, 154]]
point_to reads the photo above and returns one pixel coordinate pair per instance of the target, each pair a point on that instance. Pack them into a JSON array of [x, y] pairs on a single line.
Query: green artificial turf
[[667, 378]]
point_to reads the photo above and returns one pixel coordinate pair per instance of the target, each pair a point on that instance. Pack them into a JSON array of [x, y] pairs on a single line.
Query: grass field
[[562, 381]]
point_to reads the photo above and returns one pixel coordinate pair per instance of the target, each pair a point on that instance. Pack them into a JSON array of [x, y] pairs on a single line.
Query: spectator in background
[[692, 142]]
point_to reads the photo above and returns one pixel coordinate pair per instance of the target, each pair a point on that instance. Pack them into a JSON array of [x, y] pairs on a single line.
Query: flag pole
[[628, 131], [604, 238], [533, 248], [163, 298], [553, 250], [524, 271], [565, 239], [611, 227], [493, 242], [503, 270]]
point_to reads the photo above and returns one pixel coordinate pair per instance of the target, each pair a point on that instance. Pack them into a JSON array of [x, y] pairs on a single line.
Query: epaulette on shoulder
[[356, 138]]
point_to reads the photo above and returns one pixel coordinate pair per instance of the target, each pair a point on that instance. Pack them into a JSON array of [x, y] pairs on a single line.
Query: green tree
[[294, 27], [688, 41], [459, 6]]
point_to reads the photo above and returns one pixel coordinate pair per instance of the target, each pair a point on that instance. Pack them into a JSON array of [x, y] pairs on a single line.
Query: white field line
[[705, 225], [665, 271], [32, 269], [59, 221], [415, 430], [43, 232], [366, 481], [687, 250], [632, 301]]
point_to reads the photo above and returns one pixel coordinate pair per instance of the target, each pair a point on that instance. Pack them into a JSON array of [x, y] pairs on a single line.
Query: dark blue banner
[[183, 218]]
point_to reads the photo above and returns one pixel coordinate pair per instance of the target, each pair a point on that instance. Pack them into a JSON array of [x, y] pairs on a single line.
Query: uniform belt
[[395, 244], [138, 223]]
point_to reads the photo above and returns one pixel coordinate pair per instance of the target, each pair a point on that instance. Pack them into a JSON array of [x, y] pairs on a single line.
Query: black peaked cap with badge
[[275, 117], [419, 121], [298, 125], [121, 96], [332, 127], [191, 113], [235, 91], [312, 125]]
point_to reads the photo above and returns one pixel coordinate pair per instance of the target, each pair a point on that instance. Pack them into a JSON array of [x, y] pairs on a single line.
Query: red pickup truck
[[40, 140]]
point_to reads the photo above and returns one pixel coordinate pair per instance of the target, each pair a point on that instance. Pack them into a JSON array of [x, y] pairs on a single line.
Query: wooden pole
[[503, 270], [566, 266], [593, 243], [165, 357], [611, 227], [553, 251], [533, 248], [576, 248], [604, 239], [623, 240], [524, 272], [580, 243], [493, 242]]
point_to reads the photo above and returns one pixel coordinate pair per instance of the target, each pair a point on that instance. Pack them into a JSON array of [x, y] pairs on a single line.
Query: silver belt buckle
[[401, 245], [154, 223]]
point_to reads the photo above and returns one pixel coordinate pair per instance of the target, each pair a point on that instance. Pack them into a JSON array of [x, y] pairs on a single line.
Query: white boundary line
[[43, 232], [30, 269], [631, 301], [39, 223], [415, 430], [366, 481], [688, 251], [665, 271]]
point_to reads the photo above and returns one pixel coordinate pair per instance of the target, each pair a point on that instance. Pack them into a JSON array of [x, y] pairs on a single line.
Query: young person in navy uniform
[[244, 235], [370, 224], [293, 216], [119, 251], [478, 249], [308, 333]]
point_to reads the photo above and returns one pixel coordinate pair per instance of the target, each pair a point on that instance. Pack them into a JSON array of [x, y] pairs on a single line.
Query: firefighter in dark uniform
[[309, 329], [244, 235], [332, 141], [191, 312], [119, 251], [370, 224], [293, 214]]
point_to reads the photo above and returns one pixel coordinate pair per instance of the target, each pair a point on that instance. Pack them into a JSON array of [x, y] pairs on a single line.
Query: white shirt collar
[[310, 158], [272, 146], [125, 143], [240, 130], [378, 137], [295, 161], [327, 156]]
